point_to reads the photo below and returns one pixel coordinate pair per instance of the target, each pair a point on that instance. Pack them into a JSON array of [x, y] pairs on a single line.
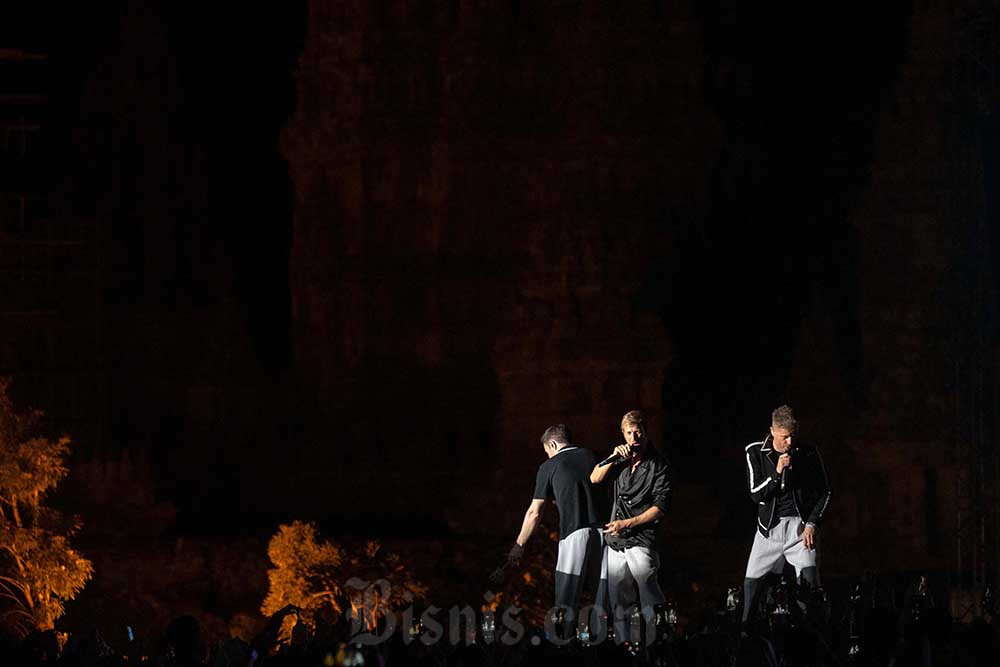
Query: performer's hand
[[616, 527], [515, 554], [784, 461], [809, 537], [624, 451]]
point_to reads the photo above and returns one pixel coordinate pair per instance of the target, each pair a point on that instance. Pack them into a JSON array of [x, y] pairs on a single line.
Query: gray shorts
[[783, 543]]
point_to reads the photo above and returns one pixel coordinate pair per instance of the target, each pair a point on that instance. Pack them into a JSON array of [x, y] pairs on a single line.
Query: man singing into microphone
[[565, 477], [788, 482], [641, 477]]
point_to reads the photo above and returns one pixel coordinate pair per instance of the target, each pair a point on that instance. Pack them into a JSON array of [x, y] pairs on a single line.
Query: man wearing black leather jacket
[[788, 482]]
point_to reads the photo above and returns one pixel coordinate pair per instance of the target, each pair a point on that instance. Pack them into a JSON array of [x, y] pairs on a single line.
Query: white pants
[[783, 543], [631, 569], [576, 565]]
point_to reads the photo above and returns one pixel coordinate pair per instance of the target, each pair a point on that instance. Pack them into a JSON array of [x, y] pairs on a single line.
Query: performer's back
[[566, 477]]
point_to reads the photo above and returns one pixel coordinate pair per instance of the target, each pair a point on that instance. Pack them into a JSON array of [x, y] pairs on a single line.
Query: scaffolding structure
[[975, 66], [50, 265]]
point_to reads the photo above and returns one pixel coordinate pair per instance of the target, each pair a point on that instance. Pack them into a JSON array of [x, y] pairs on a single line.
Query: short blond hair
[[634, 417], [783, 417]]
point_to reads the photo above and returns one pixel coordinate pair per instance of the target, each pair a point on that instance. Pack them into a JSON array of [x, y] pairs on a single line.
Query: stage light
[[488, 627], [733, 598]]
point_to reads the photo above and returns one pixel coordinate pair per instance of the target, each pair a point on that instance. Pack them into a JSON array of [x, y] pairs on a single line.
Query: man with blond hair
[[640, 476], [788, 481]]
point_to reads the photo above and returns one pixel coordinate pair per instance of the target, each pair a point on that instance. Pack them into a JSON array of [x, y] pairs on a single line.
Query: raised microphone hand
[[624, 451], [784, 461]]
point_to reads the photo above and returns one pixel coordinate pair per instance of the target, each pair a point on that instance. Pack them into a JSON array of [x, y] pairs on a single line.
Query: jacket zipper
[[774, 501]]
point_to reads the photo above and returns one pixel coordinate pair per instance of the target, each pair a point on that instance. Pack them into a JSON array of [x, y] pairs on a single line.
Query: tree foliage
[[309, 572], [39, 570]]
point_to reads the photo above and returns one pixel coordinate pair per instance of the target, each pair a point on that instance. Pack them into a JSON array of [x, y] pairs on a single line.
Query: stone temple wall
[[475, 211], [508, 216]]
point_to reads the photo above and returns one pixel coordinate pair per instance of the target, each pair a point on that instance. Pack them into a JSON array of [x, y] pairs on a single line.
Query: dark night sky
[[226, 89], [797, 95]]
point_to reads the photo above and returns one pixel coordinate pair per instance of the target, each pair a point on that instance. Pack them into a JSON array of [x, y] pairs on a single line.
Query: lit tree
[[309, 572], [39, 571]]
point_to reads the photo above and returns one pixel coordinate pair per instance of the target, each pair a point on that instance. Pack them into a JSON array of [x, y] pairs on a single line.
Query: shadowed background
[[347, 260]]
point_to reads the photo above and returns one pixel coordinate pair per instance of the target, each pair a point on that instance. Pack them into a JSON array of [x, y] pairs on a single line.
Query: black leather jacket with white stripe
[[807, 478]]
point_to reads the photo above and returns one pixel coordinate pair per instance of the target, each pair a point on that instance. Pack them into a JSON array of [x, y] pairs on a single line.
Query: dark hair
[[783, 417], [560, 433]]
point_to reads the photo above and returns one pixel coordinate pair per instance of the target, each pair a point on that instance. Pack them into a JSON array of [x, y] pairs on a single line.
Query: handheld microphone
[[784, 473], [614, 458]]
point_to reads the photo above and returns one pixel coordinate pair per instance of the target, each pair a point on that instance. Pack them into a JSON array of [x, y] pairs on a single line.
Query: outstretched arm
[[532, 518]]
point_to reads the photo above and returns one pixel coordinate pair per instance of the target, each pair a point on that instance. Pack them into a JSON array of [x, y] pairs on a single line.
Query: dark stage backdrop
[[356, 256]]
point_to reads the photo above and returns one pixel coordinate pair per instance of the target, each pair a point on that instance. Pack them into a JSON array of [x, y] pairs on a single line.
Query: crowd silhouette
[[865, 622]]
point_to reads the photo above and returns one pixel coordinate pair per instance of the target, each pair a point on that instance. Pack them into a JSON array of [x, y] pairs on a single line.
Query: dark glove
[[515, 554]]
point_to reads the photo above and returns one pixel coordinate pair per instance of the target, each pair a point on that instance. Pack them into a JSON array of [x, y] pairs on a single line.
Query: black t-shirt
[[566, 477], [784, 502]]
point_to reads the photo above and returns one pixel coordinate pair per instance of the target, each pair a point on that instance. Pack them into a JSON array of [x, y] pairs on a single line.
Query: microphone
[[614, 458], [784, 473]]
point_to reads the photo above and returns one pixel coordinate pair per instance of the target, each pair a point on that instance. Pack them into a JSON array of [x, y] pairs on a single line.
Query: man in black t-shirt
[[565, 477]]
